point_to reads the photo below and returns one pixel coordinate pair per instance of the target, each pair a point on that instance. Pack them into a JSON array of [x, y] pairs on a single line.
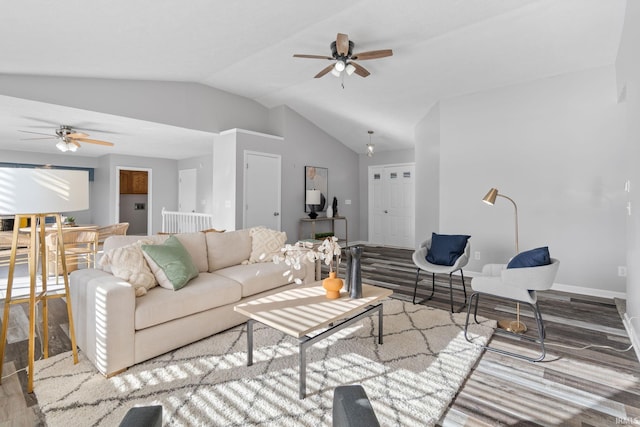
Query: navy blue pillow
[[532, 258], [446, 248]]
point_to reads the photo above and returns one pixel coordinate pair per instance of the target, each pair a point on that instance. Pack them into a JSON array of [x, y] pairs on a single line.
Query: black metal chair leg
[[415, 288], [451, 291], [475, 311], [433, 285], [463, 288]]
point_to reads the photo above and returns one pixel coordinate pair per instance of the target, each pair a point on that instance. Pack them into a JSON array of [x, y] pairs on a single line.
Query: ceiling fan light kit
[[69, 139], [342, 54]]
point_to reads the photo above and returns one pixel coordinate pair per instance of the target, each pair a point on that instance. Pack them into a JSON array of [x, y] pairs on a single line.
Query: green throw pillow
[[170, 263]]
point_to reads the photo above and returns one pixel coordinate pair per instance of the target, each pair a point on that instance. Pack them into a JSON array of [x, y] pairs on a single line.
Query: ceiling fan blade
[[299, 55], [38, 119], [360, 70], [373, 54], [33, 139], [38, 133], [76, 143], [342, 44], [93, 141], [77, 135], [323, 72]]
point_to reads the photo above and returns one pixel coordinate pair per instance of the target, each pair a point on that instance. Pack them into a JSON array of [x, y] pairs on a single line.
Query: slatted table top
[[300, 311]]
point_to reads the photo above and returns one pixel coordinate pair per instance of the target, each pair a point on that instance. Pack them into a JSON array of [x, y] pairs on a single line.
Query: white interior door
[[391, 205], [187, 182], [262, 190]]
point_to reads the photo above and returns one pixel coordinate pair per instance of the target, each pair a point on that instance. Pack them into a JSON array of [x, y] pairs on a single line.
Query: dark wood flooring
[[591, 387]]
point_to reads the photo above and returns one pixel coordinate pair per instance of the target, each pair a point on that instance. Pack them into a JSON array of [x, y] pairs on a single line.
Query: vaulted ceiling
[[441, 49]]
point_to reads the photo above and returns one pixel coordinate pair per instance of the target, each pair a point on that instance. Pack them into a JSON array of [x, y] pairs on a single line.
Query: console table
[[312, 235]]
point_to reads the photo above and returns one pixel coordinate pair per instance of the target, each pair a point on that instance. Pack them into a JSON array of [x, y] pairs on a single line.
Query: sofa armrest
[[103, 313]]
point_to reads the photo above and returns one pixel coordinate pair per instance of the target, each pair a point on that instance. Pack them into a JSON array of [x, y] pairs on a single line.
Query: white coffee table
[[298, 312]]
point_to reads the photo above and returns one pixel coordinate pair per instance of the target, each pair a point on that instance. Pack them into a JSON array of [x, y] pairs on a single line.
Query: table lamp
[[312, 199], [34, 195], [513, 326]]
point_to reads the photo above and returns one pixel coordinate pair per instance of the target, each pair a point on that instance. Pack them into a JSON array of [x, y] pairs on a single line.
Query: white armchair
[[419, 259], [515, 284]]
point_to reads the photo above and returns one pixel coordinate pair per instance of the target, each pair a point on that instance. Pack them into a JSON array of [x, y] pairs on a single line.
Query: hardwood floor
[[591, 387]]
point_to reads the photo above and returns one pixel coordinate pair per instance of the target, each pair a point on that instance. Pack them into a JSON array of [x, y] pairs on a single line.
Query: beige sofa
[[115, 329]]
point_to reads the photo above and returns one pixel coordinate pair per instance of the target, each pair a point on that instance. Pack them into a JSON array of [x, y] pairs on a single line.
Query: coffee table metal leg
[[302, 351], [380, 325], [250, 342]]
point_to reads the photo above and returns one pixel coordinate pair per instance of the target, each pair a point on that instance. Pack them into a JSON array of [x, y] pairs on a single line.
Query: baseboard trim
[[602, 293], [633, 336]]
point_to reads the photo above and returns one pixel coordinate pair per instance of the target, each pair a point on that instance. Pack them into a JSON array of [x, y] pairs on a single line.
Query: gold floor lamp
[[34, 195], [510, 325]]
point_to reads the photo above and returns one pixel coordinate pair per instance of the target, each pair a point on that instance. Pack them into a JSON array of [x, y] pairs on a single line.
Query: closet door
[[391, 205]]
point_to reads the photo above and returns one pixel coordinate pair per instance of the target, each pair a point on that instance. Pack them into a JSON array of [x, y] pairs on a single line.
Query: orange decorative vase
[[332, 285]]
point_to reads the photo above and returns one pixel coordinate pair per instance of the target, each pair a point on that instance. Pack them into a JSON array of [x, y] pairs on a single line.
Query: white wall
[[224, 181], [189, 105], [302, 144], [555, 146], [204, 180], [427, 198], [305, 144], [628, 79], [137, 219]]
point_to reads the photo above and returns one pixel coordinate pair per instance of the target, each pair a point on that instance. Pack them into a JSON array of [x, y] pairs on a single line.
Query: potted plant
[[70, 221]]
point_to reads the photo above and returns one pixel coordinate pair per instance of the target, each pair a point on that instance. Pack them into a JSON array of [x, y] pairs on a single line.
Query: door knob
[[276, 214], [386, 211]]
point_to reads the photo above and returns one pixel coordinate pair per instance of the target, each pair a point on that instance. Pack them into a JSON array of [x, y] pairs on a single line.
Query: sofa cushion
[[196, 245], [170, 263], [260, 277], [128, 263], [228, 248], [265, 244], [207, 291], [113, 242]]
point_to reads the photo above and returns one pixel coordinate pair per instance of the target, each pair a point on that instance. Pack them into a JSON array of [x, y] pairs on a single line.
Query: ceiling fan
[[68, 138], [342, 54]]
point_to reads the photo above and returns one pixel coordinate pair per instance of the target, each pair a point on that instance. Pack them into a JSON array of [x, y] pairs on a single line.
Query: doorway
[[262, 184], [391, 205], [134, 199]]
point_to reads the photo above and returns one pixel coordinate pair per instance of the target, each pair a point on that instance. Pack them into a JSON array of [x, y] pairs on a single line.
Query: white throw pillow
[[128, 263], [265, 243]]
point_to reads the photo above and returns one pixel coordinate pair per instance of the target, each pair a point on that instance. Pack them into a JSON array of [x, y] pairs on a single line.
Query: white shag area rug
[[410, 379]]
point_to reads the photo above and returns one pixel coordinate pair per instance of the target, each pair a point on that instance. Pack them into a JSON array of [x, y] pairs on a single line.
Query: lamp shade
[[313, 197], [37, 191], [490, 198]]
